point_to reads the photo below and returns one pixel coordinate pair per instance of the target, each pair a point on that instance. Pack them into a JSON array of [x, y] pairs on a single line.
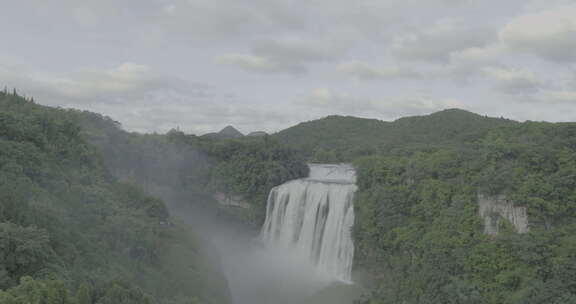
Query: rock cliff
[[495, 208]]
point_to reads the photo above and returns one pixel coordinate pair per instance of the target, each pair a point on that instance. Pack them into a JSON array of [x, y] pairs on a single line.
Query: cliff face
[[495, 208]]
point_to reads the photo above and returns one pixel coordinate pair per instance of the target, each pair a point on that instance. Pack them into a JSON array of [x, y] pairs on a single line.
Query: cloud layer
[[550, 33], [267, 64]]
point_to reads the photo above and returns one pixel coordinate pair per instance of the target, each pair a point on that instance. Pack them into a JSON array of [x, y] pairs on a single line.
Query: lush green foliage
[[338, 138], [191, 169], [419, 232], [249, 167], [418, 229], [70, 233]]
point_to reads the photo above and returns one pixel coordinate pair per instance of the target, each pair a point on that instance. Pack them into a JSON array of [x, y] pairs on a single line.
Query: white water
[[313, 218]]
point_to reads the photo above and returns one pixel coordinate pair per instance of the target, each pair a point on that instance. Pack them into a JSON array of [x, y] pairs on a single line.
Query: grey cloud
[[92, 82], [128, 83], [209, 118], [142, 100], [387, 107], [249, 19], [561, 96], [262, 64], [513, 81], [472, 62], [553, 97], [201, 20], [174, 43], [479, 56], [364, 71], [296, 49], [550, 34], [438, 42], [292, 55]]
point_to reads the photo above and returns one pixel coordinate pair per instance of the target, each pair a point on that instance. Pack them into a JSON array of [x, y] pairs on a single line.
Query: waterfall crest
[[314, 216]]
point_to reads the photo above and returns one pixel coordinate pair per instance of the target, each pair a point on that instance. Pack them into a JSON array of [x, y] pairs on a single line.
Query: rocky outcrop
[[495, 208], [231, 200]]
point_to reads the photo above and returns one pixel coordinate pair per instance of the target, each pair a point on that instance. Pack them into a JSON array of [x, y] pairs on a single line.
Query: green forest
[[84, 213], [418, 232], [190, 169], [70, 232], [345, 138]]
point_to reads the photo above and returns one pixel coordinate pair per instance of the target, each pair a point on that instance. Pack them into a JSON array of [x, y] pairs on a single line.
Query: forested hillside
[[419, 231], [344, 138], [77, 225], [192, 169], [71, 233]]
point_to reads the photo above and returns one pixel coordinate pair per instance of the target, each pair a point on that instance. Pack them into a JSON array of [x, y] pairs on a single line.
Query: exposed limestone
[[493, 208]]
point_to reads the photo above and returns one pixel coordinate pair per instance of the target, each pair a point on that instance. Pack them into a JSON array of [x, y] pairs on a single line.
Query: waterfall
[[313, 217]]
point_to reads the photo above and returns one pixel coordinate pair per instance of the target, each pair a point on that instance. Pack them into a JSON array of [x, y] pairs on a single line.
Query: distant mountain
[[349, 136], [228, 132]]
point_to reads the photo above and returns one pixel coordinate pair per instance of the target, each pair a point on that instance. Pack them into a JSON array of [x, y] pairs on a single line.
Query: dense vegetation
[[252, 167], [165, 165], [75, 229], [71, 233], [344, 138], [191, 169], [419, 232]]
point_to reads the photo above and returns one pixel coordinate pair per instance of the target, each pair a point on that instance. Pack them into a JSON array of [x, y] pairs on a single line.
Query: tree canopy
[[70, 232]]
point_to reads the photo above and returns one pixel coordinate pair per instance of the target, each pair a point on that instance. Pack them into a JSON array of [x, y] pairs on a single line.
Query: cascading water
[[314, 216]]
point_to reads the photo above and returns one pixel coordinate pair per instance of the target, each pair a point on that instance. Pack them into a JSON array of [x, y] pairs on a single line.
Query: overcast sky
[[268, 64]]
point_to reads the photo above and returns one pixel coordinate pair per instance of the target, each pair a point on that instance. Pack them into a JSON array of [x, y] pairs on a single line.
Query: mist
[[179, 174], [260, 273], [256, 274], [374, 152]]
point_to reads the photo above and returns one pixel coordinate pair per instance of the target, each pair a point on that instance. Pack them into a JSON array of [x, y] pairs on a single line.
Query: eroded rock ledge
[[494, 208]]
